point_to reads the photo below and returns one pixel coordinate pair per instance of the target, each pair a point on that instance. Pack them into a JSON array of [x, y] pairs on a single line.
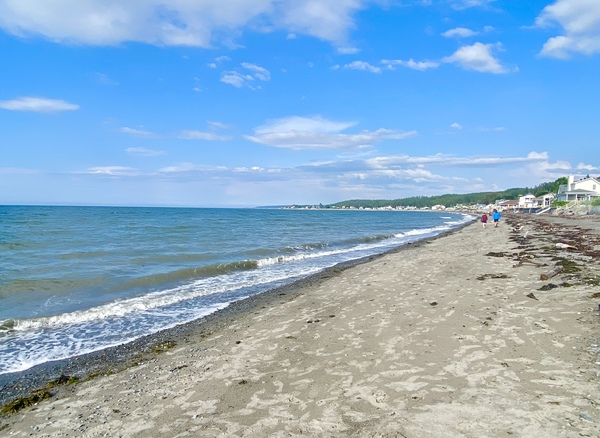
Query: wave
[[113, 310], [170, 298], [190, 273], [192, 283]]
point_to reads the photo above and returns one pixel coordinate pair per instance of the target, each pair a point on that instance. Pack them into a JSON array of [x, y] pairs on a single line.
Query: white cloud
[[361, 65], [318, 133], [459, 32], [348, 50], [588, 167], [382, 177], [259, 72], [411, 63], [200, 135], [238, 79], [144, 152], [112, 171], [37, 104], [580, 20], [477, 57], [326, 20], [219, 125], [457, 126], [174, 22], [296, 123], [453, 161], [138, 132]]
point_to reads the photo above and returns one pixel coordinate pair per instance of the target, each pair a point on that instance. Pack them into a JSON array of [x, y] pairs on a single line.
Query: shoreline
[[447, 337], [120, 357]]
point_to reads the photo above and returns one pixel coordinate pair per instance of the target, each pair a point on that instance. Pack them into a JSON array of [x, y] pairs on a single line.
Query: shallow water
[[78, 279]]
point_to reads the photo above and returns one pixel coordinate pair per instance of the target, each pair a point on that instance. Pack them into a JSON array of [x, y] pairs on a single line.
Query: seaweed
[[163, 346], [486, 276], [32, 399], [569, 266]]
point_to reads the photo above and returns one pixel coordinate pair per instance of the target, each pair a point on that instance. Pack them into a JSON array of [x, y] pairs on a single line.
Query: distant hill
[[450, 200]]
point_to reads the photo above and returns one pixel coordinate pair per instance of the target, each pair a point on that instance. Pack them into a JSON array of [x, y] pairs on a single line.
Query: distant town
[[564, 196]]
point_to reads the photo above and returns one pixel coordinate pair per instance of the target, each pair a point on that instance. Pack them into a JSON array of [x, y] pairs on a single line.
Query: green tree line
[[450, 200]]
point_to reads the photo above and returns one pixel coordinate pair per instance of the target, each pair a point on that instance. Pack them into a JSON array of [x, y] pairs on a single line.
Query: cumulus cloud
[[580, 20], [258, 72], [457, 126], [329, 21], [459, 32], [238, 79], [411, 63], [174, 22], [588, 167], [38, 105], [362, 65], [477, 57], [318, 133]]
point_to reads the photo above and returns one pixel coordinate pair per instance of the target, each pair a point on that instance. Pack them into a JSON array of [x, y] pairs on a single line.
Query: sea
[[74, 280]]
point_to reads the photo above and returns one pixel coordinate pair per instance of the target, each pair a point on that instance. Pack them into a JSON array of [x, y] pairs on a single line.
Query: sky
[[241, 103]]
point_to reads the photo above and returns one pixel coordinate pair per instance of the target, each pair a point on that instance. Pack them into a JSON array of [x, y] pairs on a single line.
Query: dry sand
[[437, 340]]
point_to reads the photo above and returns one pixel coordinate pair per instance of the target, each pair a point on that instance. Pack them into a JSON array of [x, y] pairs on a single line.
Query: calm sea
[[79, 279]]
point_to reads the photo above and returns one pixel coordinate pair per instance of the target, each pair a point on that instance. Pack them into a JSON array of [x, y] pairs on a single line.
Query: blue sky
[[265, 102]]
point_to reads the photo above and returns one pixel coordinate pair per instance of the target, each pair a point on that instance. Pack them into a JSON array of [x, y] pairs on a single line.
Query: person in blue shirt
[[496, 217]]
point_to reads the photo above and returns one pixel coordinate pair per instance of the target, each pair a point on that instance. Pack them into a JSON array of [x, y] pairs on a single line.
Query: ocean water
[[79, 279]]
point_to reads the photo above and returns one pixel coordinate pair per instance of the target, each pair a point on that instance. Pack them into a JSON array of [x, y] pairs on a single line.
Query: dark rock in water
[[434, 303], [532, 296]]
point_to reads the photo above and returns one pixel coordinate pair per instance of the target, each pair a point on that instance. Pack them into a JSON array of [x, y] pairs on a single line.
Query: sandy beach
[[454, 337]]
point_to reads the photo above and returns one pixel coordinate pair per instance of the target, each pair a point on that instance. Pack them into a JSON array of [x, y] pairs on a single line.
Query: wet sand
[[454, 337]]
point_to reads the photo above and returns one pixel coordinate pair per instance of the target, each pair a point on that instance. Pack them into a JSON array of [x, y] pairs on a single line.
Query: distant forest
[[451, 200]]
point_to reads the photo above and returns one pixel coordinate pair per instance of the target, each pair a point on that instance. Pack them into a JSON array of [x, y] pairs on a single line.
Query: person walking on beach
[[484, 220], [496, 217]]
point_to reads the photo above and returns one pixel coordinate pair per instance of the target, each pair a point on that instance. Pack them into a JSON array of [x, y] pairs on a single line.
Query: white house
[[546, 200], [510, 205], [585, 189], [530, 201]]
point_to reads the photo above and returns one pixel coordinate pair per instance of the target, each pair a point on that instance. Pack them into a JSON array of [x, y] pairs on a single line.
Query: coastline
[[120, 357], [435, 338]]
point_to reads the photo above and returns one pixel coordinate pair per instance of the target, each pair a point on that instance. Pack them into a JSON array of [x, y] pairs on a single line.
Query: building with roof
[[585, 189]]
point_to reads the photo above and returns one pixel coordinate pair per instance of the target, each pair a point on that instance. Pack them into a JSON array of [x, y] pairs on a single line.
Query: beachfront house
[[507, 205], [530, 201], [585, 189]]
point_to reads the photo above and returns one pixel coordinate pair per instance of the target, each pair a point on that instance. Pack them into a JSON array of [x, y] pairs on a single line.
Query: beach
[[457, 336]]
